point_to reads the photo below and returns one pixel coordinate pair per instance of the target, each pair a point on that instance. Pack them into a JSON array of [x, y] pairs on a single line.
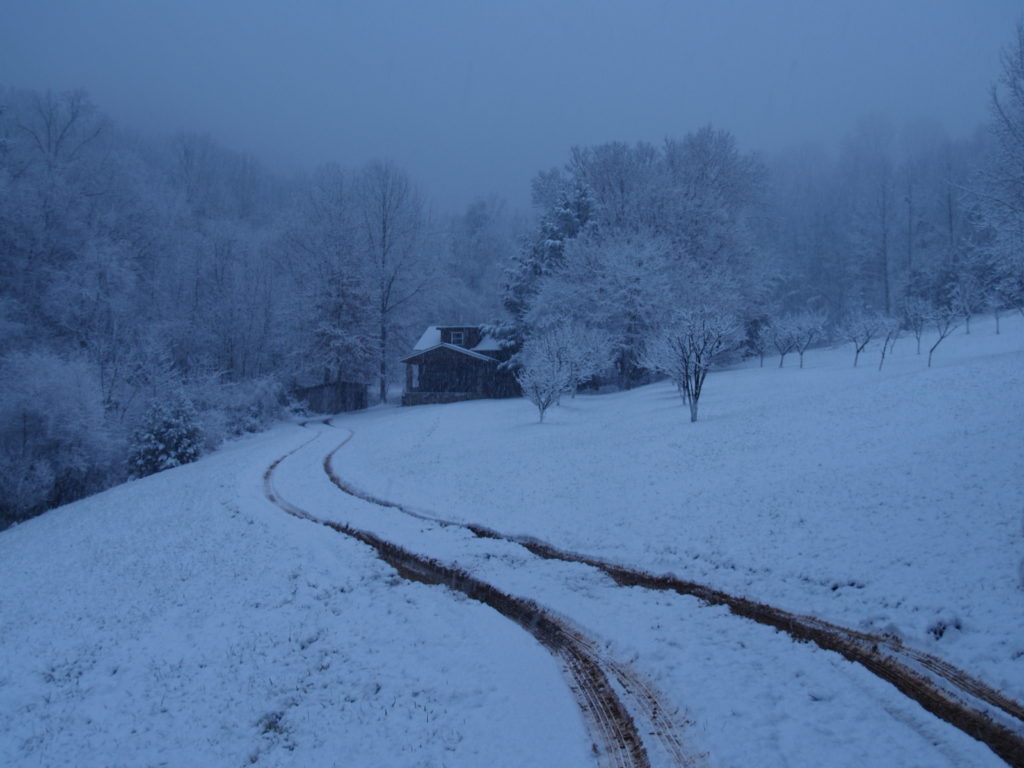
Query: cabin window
[[458, 338]]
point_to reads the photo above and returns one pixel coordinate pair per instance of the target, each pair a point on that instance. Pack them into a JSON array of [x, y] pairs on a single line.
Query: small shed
[[456, 362], [333, 397]]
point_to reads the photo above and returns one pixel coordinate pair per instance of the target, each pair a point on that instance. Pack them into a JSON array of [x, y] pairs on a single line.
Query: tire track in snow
[[616, 739], [946, 691]]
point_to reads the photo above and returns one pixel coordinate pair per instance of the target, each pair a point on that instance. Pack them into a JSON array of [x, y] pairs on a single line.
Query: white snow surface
[[882, 500], [184, 620]]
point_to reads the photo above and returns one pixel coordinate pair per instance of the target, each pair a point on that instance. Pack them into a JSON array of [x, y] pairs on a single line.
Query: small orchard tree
[[544, 373], [967, 296], [860, 328], [688, 347], [759, 340], [889, 332], [946, 320], [783, 339], [916, 312], [806, 327], [169, 437]]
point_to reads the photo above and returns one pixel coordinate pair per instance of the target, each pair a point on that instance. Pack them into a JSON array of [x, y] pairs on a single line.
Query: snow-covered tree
[[889, 332], [945, 320], [544, 372], [860, 328], [759, 338], [806, 327], [784, 338], [55, 444], [169, 437], [916, 312], [621, 285], [688, 347]]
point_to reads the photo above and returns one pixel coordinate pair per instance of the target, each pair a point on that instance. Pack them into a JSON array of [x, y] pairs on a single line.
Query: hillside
[[889, 500], [185, 619]]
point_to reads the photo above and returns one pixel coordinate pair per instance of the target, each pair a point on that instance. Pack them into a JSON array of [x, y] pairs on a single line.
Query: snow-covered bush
[[169, 437], [54, 444]]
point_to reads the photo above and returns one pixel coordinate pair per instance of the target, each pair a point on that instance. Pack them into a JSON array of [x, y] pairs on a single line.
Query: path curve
[[617, 740], [946, 691]]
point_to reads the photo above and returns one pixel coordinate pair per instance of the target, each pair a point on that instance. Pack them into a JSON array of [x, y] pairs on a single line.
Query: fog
[[474, 98]]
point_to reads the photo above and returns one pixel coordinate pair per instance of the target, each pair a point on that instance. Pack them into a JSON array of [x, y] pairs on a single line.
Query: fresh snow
[[889, 500], [185, 620]]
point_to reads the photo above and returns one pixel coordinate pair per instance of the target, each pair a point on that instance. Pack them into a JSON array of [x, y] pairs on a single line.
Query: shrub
[[169, 437]]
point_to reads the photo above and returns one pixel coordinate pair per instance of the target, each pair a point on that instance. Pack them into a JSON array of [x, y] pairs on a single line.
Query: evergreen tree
[[169, 437]]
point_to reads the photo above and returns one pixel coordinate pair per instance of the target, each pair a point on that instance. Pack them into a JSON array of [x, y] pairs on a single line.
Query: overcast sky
[[474, 97]]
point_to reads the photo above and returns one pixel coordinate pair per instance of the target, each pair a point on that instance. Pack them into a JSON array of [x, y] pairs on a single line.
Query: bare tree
[[393, 228], [686, 350], [916, 312], [760, 340], [861, 328], [806, 327], [967, 295], [890, 331], [784, 339], [946, 320]]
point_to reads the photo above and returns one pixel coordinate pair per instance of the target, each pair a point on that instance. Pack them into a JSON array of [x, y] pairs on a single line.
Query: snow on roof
[[430, 338], [488, 344], [417, 353]]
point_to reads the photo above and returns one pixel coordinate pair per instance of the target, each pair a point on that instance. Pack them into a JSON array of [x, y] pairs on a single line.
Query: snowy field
[[184, 620], [889, 500]]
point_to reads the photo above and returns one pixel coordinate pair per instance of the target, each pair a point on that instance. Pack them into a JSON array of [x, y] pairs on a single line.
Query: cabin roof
[[432, 337], [419, 353]]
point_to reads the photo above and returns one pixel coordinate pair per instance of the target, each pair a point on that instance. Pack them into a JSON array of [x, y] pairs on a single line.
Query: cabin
[[456, 362]]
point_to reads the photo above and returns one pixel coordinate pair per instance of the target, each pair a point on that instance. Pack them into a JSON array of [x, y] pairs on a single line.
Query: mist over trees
[[143, 274], [175, 282]]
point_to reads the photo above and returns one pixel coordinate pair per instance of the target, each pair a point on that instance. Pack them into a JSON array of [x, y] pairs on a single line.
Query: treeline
[[681, 252], [159, 296]]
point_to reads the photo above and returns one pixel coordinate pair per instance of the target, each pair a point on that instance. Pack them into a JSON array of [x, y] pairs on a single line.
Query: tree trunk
[[383, 363], [693, 410]]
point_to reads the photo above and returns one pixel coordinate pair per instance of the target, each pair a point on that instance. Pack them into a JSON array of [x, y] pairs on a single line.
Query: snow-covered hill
[[889, 500], [185, 620]]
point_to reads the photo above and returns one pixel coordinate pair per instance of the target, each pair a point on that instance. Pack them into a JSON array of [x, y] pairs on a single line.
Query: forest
[[161, 295]]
